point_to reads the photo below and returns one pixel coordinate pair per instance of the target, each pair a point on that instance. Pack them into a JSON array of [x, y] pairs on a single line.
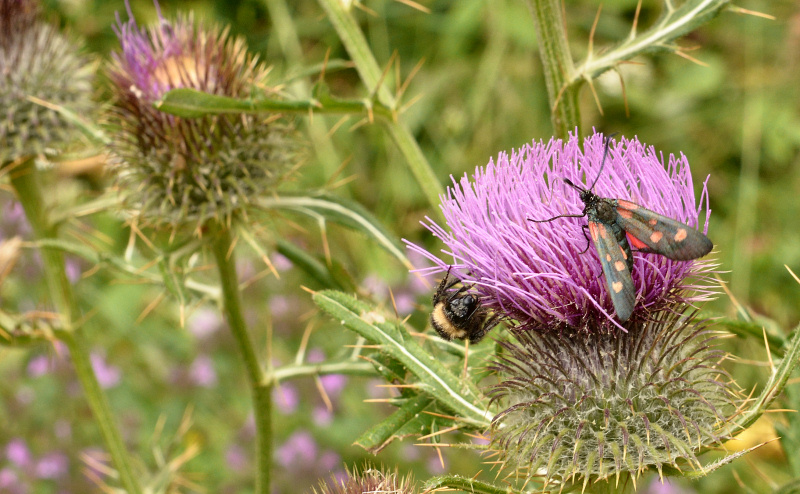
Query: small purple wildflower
[[322, 416], [333, 384], [40, 365], [538, 273], [107, 375], [286, 398], [236, 457], [204, 322], [52, 466], [17, 452], [299, 449], [202, 372]]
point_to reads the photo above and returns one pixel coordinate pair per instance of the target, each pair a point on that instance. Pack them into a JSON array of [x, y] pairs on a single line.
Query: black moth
[[459, 315], [616, 224]]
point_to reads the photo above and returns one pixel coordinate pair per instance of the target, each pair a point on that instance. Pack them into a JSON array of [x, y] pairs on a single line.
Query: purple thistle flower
[[202, 372], [52, 465], [538, 273]]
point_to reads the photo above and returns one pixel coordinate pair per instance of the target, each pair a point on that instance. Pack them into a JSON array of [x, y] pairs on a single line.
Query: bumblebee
[[459, 315]]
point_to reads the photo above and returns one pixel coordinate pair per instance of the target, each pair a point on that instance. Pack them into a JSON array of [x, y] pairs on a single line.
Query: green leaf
[[323, 207], [191, 103], [674, 23], [465, 485], [405, 421], [327, 277], [458, 395]]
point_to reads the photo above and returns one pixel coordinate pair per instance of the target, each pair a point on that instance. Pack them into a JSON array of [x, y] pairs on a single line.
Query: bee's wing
[[651, 232], [615, 268]]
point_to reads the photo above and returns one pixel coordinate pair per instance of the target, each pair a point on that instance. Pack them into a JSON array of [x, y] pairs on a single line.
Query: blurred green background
[[479, 91]]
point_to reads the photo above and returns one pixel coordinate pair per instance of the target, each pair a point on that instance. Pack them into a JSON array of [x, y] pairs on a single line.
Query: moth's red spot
[[619, 265], [635, 242], [608, 257], [602, 230], [628, 205], [625, 213], [617, 286], [655, 237], [680, 235], [653, 222], [624, 254], [593, 230]]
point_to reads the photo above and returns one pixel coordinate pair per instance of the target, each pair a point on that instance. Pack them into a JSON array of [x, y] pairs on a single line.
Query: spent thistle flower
[[39, 68], [189, 170], [368, 480], [584, 407], [541, 274]]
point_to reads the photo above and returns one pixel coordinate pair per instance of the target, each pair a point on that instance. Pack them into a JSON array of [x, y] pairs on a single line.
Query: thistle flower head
[[542, 274], [179, 170], [368, 480], [594, 405], [37, 65]]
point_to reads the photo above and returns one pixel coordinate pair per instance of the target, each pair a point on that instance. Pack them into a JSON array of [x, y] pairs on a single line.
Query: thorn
[[366, 9], [624, 92], [739, 10], [596, 98], [443, 431], [407, 82], [415, 5], [690, 58], [636, 19], [739, 307], [323, 393], [792, 273], [591, 32], [769, 354], [301, 350], [307, 289]]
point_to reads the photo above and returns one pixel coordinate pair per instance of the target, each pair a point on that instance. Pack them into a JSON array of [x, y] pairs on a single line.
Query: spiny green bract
[[580, 407], [37, 65]]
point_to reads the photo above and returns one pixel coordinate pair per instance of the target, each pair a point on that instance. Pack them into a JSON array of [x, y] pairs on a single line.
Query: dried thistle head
[[592, 405], [185, 171], [39, 68]]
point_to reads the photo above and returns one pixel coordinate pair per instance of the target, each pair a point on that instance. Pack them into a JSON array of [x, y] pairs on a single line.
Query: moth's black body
[[615, 224], [458, 315]]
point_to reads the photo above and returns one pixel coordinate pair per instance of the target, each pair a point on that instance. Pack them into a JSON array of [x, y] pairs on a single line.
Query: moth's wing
[[615, 268], [651, 232]]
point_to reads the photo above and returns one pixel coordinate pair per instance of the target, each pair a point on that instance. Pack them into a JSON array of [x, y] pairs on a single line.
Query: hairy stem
[[24, 180], [261, 386], [558, 66]]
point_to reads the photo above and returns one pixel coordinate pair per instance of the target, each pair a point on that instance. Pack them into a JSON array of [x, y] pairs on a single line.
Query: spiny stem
[[261, 385], [24, 180], [558, 66]]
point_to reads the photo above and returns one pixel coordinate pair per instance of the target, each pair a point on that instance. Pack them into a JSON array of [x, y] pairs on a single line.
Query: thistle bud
[[39, 68], [368, 480], [178, 171]]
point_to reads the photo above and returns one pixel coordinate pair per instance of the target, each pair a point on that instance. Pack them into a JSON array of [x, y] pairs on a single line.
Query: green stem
[[348, 367], [558, 66], [260, 384], [25, 182], [371, 74]]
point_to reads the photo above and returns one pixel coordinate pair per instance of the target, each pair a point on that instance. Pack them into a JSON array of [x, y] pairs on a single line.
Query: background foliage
[[480, 91]]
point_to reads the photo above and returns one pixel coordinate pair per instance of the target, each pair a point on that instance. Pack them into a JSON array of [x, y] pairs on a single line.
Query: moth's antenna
[[603, 163]]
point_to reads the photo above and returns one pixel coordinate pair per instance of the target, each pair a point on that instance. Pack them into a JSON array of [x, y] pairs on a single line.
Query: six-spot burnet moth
[[616, 224]]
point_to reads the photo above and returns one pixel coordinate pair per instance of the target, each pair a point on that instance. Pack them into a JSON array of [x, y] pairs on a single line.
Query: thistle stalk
[[260, 384], [25, 181]]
